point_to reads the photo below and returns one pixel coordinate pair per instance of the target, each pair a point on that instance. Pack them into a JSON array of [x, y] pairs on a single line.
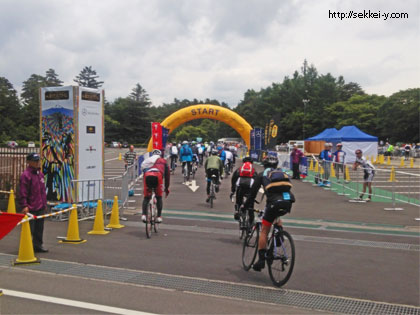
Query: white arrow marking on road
[[192, 185]]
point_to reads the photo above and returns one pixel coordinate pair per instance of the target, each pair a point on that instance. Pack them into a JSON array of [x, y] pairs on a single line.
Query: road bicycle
[[186, 173], [244, 223], [173, 165], [213, 185], [280, 256], [152, 215]]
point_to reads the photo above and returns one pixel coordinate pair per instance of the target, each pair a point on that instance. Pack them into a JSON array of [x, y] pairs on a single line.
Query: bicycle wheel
[[281, 259], [250, 247], [243, 224], [149, 220]]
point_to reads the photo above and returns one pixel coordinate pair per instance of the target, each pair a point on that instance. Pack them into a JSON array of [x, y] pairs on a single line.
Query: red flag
[[8, 221], [157, 135]]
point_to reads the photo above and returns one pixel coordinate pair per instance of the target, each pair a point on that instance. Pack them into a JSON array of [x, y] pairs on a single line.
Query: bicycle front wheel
[[281, 259], [149, 221], [250, 248], [155, 224]]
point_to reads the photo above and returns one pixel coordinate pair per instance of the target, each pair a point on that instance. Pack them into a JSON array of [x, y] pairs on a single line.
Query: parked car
[[125, 144], [12, 144], [114, 144]]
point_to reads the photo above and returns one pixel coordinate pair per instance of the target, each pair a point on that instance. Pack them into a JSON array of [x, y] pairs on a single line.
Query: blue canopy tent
[[328, 135], [353, 138]]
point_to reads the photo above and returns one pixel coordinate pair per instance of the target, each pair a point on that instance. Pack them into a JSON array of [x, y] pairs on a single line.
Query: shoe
[[159, 220], [260, 264], [368, 199], [217, 188], [143, 218], [40, 250], [236, 216]]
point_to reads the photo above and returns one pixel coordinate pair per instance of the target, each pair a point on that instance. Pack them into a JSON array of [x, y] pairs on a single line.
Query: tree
[[30, 110], [139, 94], [399, 116], [88, 78], [9, 111], [51, 78]]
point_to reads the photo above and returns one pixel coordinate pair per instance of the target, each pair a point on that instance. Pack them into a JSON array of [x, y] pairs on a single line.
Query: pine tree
[[88, 78], [51, 78]]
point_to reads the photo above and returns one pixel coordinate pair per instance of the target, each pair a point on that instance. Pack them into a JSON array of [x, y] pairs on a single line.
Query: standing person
[[369, 173], [155, 171], [130, 157], [407, 149], [213, 166], [33, 198], [242, 180], [277, 187], [390, 150], [339, 160], [326, 158], [296, 155]]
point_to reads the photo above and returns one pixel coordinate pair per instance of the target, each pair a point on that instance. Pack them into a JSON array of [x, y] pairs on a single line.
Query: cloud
[[207, 49]]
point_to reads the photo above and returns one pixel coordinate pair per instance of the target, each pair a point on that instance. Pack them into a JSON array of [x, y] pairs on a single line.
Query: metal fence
[[391, 184], [12, 165]]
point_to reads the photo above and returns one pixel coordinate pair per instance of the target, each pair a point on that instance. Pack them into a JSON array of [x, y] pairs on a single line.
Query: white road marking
[[111, 159], [72, 303]]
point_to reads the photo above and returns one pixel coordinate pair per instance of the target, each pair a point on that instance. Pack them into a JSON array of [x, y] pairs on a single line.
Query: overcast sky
[[214, 49]]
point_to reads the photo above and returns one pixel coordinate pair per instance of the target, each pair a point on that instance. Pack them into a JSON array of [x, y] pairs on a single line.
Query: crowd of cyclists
[[218, 161]]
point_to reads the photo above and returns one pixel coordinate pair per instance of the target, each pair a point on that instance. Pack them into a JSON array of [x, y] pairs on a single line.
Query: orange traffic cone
[[98, 225], [73, 229], [26, 249], [114, 222], [11, 208]]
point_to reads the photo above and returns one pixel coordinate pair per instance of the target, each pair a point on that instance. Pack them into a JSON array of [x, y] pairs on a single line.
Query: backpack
[[247, 170], [174, 150], [275, 180], [200, 150]]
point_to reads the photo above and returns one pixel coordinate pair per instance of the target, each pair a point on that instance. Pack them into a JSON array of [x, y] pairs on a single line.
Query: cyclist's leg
[[159, 205], [189, 167], [268, 219], [183, 167]]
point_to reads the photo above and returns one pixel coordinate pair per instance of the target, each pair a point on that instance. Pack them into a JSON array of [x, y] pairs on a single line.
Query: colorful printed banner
[[157, 135]]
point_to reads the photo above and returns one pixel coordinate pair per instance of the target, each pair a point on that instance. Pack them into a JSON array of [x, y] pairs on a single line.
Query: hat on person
[[33, 157], [339, 145]]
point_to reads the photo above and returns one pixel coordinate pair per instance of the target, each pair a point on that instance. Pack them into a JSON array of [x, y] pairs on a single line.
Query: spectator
[[339, 160], [326, 158], [407, 149], [33, 198], [296, 156], [390, 150], [130, 157]]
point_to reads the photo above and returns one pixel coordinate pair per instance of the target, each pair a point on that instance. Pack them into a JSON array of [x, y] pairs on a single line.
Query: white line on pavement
[[73, 303]]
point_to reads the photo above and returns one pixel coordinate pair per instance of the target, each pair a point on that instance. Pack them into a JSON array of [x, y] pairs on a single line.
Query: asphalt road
[[350, 258]]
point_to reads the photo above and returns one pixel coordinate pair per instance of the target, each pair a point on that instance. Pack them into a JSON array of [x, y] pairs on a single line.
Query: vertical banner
[[157, 135], [271, 133], [165, 133], [303, 166], [58, 149], [252, 140], [90, 143], [258, 138]]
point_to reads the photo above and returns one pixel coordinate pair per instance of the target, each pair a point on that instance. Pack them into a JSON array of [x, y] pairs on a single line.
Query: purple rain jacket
[[32, 190]]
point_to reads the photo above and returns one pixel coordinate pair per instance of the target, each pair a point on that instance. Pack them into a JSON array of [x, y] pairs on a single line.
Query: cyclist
[[213, 166], [174, 155], [369, 171], [186, 157], [194, 149], [222, 154], [201, 149], [242, 180], [228, 161], [155, 170], [277, 187]]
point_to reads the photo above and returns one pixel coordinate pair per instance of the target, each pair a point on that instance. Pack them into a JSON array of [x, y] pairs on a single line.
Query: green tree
[[31, 107], [399, 116], [51, 78], [88, 78], [9, 111]]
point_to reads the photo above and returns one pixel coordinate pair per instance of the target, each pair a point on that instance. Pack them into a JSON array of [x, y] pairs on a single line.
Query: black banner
[[271, 133]]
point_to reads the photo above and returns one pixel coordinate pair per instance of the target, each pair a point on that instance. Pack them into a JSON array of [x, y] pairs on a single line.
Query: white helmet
[[157, 152]]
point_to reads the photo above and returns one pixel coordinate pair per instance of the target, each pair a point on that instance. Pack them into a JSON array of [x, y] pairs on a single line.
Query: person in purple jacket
[[33, 198], [296, 155]]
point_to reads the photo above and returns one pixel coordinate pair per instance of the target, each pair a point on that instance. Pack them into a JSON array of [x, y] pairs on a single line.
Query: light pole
[[305, 102]]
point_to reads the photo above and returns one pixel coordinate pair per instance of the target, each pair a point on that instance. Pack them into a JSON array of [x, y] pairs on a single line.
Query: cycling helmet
[[270, 161], [156, 152], [247, 159], [358, 151], [339, 145], [184, 142]]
